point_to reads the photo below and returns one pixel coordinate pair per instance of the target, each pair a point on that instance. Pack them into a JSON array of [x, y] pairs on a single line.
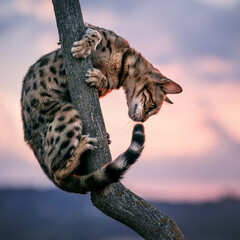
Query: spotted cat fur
[[53, 126]]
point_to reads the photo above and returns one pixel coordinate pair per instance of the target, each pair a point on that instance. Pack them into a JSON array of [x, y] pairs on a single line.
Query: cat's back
[[43, 88]]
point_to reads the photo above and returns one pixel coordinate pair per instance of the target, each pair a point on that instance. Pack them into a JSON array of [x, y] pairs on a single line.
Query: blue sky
[[193, 147]]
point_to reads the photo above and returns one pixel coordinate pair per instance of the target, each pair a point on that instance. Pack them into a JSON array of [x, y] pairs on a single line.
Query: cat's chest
[[110, 66]]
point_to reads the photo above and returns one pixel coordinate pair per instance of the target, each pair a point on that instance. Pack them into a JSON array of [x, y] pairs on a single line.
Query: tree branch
[[115, 200]]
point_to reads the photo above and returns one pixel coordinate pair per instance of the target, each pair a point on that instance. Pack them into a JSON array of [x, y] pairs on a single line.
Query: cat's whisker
[[130, 123]]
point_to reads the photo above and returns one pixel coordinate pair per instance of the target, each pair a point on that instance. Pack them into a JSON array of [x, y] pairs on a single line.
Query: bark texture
[[115, 201]]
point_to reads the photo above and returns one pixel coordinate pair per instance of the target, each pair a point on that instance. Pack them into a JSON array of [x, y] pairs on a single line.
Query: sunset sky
[[192, 148]]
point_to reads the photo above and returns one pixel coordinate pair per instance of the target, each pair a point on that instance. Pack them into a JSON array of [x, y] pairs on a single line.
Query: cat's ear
[[168, 100], [169, 86]]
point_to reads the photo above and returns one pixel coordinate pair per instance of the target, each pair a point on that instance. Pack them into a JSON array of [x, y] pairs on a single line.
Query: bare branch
[[115, 200]]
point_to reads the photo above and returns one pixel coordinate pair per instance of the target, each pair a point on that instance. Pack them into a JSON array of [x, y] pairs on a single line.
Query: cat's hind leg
[[65, 142], [85, 143]]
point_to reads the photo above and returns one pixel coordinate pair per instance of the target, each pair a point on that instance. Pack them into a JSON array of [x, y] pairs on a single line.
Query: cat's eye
[[152, 107]]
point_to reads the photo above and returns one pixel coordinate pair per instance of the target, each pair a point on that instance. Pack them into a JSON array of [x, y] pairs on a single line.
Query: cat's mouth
[[138, 118]]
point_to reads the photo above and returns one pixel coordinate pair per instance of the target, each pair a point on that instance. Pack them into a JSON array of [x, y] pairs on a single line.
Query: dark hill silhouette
[[56, 215]]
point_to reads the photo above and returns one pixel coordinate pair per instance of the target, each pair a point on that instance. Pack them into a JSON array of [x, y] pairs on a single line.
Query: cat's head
[[149, 94]]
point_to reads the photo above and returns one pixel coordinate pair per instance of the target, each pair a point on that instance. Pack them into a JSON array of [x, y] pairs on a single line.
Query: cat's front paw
[[95, 78], [88, 44]]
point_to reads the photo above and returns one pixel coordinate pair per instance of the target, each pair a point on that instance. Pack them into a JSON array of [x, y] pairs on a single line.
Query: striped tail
[[113, 171]]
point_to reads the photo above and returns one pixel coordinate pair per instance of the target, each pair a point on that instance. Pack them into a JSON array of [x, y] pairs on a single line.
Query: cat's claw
[[95, 78], [84, 47], [108, 139], [89, 143]]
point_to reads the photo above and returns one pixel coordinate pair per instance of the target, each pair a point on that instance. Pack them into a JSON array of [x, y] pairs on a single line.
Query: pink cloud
[[11, 140], [101, 18], [183, 191], [41, 10], [228, 4], [46, 43], [209, 100], [213, 65], [224, 107], [219, 101]]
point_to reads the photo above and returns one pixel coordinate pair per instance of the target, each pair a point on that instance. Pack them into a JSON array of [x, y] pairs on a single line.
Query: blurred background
[[191, 159]]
